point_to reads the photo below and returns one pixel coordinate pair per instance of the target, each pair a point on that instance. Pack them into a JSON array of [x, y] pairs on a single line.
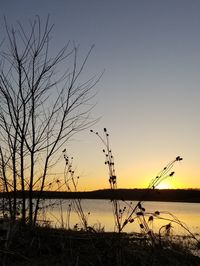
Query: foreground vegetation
[[27, 245], [46, 246]]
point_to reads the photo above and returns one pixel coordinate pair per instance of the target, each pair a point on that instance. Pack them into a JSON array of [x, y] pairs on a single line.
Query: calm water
[[100, 214]]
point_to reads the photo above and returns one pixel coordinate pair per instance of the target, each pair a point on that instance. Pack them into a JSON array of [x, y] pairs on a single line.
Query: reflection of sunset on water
[[101, 215]]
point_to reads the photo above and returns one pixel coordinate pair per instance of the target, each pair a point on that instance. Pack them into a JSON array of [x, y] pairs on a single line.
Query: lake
[[99, 214]]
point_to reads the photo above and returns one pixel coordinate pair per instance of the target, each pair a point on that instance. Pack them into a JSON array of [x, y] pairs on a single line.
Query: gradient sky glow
[[149, 95]]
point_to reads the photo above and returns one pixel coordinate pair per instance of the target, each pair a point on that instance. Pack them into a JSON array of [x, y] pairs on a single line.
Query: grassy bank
[[46, 246]]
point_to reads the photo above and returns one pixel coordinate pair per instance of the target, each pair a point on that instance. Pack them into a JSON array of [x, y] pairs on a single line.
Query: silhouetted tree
[[42, 104]]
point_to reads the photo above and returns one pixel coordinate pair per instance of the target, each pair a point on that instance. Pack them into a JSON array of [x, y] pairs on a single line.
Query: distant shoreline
[[166, 195]]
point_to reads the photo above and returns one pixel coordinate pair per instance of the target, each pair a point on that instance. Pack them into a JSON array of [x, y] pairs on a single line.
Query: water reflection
[[99, 215]]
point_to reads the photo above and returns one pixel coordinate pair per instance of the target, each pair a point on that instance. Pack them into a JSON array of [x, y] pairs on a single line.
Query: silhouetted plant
[[109, 161], [146, 218], [162, 175], [140, 214], [171, 219], [71, 183], [129, 213]]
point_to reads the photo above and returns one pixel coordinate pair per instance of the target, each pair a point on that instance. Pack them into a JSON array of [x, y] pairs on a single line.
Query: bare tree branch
[[42, 106]]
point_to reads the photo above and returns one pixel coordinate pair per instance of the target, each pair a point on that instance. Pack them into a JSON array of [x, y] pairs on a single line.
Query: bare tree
[[41, 107]]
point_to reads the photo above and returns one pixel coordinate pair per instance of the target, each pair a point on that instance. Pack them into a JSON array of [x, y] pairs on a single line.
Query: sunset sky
[[149, 95]]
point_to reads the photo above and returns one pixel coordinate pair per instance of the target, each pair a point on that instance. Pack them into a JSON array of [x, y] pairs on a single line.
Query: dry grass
[[46, 247]]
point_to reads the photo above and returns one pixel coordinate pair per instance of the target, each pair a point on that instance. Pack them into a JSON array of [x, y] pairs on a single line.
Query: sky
[[149, 95]]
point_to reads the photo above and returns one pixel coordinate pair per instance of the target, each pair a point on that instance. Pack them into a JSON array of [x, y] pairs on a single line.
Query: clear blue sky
[[149, 95]]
